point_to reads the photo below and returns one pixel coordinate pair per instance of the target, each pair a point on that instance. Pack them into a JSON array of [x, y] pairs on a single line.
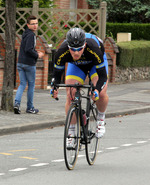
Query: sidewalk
[[123, 99]]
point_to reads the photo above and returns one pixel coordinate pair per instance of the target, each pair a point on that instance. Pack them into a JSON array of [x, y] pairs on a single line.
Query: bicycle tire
[[71, 154], [92, 140]]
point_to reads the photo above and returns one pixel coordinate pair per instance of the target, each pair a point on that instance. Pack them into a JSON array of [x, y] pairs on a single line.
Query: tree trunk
[[10, 35]]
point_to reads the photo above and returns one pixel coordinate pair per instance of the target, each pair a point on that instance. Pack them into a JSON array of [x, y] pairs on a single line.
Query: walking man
[[27, 66]]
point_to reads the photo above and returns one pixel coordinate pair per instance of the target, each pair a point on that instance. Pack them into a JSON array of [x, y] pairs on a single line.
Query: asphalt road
[[37, 157]]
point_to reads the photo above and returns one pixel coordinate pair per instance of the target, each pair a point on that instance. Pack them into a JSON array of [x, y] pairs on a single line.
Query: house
[[72, 4]]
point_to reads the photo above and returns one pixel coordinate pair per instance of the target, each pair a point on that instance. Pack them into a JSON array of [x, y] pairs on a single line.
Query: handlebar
[[76, 85]]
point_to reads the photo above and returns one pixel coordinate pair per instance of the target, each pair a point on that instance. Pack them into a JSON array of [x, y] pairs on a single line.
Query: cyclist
[[84, 52]]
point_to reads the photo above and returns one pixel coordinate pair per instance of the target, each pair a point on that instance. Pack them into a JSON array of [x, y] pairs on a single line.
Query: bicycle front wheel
[[71, 153], [92, 140]]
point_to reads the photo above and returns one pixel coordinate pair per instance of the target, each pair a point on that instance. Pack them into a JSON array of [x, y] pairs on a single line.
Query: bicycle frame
[[77, 100]]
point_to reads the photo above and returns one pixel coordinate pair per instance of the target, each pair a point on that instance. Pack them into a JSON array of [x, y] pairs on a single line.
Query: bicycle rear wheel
[[70, 154], [92, 140]]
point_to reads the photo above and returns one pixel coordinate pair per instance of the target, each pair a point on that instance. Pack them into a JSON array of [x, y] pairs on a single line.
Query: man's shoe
[[100, 129], [32, 111], [70, 142], [17, 109]]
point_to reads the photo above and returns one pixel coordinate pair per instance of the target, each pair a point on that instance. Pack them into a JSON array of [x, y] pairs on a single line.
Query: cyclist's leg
[[101, 106], [103, 102], [74, 74], [103, 97]]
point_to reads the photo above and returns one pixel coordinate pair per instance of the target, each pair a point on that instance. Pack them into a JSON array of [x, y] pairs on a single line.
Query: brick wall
[[82, 4], [111, 50], [42, 64], [65, 4]]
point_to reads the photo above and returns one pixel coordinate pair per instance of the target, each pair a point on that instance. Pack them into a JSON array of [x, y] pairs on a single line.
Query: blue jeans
[[27, 74]]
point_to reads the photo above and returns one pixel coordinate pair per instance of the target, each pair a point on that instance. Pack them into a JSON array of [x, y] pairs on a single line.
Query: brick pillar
[[45, 72], [111, 49], [42, 64]]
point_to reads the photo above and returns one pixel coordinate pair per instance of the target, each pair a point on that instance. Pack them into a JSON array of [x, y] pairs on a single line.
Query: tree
[[128, 11], [8, 77], [94, 3], [29, 3], [125, 10]]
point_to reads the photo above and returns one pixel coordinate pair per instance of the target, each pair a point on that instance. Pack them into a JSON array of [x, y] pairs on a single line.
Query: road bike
[[84, 122]]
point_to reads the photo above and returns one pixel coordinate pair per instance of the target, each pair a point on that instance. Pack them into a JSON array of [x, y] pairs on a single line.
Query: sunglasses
[[76, 49]]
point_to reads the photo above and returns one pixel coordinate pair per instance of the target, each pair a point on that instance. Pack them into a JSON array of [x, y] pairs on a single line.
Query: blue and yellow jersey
[[93, 55]]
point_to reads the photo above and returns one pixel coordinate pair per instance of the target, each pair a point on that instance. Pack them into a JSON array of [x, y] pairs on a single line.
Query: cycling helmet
[[75, 37]]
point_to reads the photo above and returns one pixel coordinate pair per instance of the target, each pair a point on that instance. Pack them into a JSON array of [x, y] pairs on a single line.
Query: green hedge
[[138, 31], [134, 54]]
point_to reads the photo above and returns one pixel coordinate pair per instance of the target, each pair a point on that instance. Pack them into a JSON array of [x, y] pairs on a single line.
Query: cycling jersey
[[93, 60]]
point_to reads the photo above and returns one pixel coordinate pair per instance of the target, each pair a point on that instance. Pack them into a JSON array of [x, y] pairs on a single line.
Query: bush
[[133, 54], [138, 31]]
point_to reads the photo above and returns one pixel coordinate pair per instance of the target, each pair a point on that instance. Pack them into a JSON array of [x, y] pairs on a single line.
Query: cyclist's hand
[[54, 93], [95, 95]]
